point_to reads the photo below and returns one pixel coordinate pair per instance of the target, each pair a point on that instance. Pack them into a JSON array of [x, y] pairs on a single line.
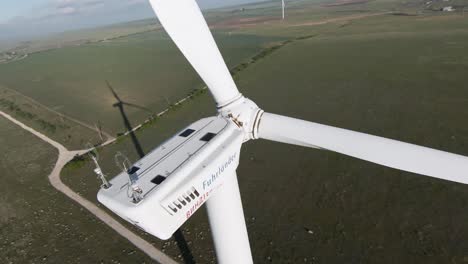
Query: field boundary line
[[339, 19], [72, 119]]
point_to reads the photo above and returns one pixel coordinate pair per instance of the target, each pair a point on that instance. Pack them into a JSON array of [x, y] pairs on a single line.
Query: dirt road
[[64, 157], [338, 19]]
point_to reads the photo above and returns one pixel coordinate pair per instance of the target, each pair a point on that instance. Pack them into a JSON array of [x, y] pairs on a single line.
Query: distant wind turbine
[[283, 5]]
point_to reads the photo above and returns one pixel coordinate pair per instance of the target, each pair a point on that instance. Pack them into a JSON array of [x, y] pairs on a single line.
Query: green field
[[73, 79], [406, 86], [71, 134], [399, 76], [40, 225]]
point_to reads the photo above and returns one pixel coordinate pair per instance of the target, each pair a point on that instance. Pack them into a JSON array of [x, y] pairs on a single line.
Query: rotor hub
[[245, 114]]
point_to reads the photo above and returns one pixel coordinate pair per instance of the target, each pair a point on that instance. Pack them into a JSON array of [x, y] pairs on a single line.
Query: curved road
[[64, 157]]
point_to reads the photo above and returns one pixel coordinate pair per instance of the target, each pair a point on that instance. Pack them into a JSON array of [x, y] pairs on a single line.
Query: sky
[[34, 18]]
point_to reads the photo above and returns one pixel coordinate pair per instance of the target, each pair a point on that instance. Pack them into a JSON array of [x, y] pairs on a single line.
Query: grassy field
[[73, 79], [80, 37], [407, 84], [40, 225], [138, 59], [71, 134], [372, 75]]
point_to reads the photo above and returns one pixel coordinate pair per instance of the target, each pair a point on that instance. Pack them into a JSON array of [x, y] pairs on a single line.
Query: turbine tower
[[283, 6], [198, 164]]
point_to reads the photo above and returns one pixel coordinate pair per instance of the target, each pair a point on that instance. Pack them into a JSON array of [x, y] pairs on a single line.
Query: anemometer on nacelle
[[177, 177]]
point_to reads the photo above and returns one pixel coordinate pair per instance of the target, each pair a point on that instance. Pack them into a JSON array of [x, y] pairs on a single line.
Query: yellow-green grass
[[144, 69], [39, 224], [71, 134]]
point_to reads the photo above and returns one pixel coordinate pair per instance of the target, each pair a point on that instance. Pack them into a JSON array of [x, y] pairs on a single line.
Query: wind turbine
[[283, 5], [198, 164]]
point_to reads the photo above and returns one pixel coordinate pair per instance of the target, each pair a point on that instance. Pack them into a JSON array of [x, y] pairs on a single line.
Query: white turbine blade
[[187, 27], [383, 151]]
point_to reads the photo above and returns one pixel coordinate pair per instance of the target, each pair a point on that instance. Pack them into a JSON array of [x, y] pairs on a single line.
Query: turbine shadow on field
[[128, 126], [178, 235]]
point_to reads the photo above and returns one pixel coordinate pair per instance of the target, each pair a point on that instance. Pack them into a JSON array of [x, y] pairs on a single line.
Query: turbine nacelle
[[176, 178]]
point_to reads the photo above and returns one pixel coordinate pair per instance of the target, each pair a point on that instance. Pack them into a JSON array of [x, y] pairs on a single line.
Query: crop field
[[80, 37], [408, 85], [138, 58], [40, 225], [372, 75], [58, 127], [73, 79]]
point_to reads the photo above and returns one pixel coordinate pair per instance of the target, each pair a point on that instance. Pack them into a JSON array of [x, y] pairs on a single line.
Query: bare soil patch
[[345, 2], [242, 22], [338, 19]]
